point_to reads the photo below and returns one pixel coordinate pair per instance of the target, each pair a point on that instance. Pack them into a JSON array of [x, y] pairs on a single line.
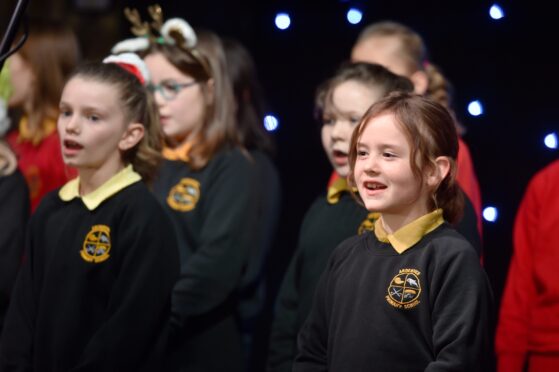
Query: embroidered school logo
[[368, 224], [97, 244], [404, 289], [184, 196]]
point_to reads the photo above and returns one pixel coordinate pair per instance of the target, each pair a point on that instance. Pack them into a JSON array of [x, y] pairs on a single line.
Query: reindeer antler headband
[[174, 31]]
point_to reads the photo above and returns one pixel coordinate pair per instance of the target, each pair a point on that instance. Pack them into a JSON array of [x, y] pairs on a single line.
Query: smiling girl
[[93, 292], [411, 294], [334, 216]]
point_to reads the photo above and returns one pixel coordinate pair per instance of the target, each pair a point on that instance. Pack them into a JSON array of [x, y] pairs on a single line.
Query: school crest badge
[[404, 289], [97, 244], [184, 195]]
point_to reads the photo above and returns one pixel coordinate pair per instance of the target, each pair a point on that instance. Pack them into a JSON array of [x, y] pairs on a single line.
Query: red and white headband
[[132, 63]]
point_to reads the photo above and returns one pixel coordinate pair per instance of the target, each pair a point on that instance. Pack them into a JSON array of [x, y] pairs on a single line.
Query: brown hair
[[414, 52], [52, 52], [249, 97], [431, 133], [140, 107], [371, 75], [208, 62]]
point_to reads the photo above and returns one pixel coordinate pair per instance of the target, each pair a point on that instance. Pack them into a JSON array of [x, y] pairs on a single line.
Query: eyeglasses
[[169, 89]]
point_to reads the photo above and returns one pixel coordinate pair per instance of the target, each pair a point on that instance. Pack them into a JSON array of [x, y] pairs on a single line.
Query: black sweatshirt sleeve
[[14, 212], [461, 302], [313, 337], [16, 342], [283, 338], [467, 226], [212, 273]]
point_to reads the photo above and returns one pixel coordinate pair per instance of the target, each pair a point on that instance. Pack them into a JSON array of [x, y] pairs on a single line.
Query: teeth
[[373, 186]]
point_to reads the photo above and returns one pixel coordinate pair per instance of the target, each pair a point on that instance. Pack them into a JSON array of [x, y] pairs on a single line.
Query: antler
[[157, 15], [139, 28]]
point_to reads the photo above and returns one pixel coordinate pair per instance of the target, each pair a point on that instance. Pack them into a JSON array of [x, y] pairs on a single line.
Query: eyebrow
[[82, 108]]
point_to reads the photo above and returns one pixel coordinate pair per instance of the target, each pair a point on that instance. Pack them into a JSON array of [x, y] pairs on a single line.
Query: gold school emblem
[[184, 195], [97, 244], [368, 223], [404, 289]]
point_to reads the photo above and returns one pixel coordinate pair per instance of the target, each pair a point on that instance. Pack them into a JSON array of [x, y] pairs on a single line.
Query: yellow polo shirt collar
[[119, 181], [181, 152], [409, 235]]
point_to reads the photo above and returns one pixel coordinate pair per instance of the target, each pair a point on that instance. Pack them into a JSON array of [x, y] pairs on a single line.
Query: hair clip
[[132, 63]]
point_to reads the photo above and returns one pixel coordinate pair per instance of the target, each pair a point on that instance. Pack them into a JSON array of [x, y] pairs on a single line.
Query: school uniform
[[415, 300], [93, 292], [14, 213], [331, 219], [40, 161], [214, 214], [252, 289]]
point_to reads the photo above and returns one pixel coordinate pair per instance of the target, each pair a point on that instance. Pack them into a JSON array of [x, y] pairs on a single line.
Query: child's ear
[[210, 84], [438, 172], [130, 138], [420, 82]]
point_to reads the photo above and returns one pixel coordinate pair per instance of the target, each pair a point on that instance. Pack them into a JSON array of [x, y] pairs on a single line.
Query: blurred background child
[[251, 110], [37, 74]]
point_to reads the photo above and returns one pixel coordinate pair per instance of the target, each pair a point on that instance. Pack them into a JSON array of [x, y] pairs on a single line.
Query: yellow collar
[[35, 137], [119, 181], [410, 234], [178, 153], [336, 189]]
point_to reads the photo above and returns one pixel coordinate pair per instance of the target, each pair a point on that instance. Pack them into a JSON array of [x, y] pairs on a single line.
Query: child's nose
[[340, 130], [72, 125], [372, 164]]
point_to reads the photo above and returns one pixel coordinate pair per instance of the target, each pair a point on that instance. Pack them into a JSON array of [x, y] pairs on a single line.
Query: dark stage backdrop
[[510, 65]]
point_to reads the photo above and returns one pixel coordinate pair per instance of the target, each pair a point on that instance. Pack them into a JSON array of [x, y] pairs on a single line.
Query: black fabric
[[215, 235], [442, 324], [467, 226], [70, 314], [14, 213], [324, 227]]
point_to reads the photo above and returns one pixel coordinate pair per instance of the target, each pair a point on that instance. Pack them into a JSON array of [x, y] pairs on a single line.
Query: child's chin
[[342, 171]]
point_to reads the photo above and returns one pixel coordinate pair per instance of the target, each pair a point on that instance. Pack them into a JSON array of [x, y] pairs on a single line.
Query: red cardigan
[[529, 315]]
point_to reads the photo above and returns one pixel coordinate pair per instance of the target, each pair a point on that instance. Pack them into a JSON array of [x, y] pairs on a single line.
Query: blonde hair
[[431, 133], [414, 52], [139, 106]]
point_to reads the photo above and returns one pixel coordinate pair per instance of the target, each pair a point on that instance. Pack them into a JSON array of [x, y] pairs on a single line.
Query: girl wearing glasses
[[207, 185]]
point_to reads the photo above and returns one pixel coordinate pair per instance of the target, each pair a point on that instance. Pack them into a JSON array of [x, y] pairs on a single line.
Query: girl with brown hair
[[404, 52], [37, 73], [411, 294], [93, 292], [208, 184]]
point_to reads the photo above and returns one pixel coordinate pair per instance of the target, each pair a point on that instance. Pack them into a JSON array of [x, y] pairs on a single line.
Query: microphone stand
[[10, 33]]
